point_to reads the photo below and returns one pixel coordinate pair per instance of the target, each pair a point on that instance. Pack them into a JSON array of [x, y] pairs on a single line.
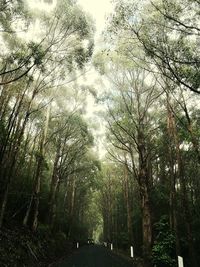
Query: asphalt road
[[95, 256]]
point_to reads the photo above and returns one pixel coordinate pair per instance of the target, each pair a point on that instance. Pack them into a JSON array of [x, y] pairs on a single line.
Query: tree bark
[[53, 187], [146, 218], [128, 206], [37, 187], [36, 194], [71, 203], [173, 179], [145, 181], [183, 190]]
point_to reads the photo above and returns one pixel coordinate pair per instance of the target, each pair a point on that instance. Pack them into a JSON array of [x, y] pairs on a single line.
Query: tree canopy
[[53, 182]]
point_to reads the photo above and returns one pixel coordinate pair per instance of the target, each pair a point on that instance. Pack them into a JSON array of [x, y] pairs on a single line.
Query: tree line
[[47, 164], [152, 186]]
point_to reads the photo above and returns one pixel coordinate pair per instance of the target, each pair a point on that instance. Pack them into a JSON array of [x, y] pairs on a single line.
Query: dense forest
[[55, 189]]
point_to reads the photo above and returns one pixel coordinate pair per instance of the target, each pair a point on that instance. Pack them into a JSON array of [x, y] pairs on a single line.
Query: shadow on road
[[94, 256]]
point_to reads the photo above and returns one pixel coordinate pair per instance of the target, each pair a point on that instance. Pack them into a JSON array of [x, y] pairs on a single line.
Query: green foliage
[[153, 56], [167, 33], [13, 10], [163, 251]]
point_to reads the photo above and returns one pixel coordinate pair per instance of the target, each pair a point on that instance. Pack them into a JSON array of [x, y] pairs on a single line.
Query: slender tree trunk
[[54, 186], [26, 217], [173, 178], [128, 206], [184, 194], [4, 203], [9, 169], [54, 206], [37, 188], [36, 195], [72, 202], [145, 181], [4, 101], [146, 222], [12, 121], [28, 210], [8, 154], [173, 210]]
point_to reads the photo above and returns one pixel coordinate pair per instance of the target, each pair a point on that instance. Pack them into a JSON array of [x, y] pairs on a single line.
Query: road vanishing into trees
[[94, 256]]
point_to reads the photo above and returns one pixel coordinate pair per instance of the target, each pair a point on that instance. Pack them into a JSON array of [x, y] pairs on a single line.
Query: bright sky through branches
[[98, 9]]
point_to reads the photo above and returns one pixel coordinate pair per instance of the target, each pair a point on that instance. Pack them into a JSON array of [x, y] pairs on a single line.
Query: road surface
[[94, 256]]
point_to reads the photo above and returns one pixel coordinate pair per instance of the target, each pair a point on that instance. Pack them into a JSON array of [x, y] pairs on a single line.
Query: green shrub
[[163, 252]]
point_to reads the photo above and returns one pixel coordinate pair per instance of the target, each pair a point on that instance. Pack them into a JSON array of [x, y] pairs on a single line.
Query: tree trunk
[[36, 199], [183, 189], [27, 214], [71, 203], [4, 203], [9, 169], [54, 206], [53, 188], [146, 223], [8, 154], [128, 206], [145, 181], [36, 195]]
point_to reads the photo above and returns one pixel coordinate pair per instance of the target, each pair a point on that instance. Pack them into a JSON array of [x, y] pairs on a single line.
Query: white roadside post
[[132, 255], [111, 246], [77, 245], [180, 261]]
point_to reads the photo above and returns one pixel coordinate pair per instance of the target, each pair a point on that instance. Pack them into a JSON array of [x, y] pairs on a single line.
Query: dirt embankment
[[20, 247]]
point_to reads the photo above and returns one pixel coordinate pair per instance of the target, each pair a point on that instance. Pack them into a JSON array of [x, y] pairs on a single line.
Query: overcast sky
[[98, 9]]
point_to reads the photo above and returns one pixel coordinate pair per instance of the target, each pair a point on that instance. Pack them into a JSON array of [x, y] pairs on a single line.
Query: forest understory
[[20, 247]]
